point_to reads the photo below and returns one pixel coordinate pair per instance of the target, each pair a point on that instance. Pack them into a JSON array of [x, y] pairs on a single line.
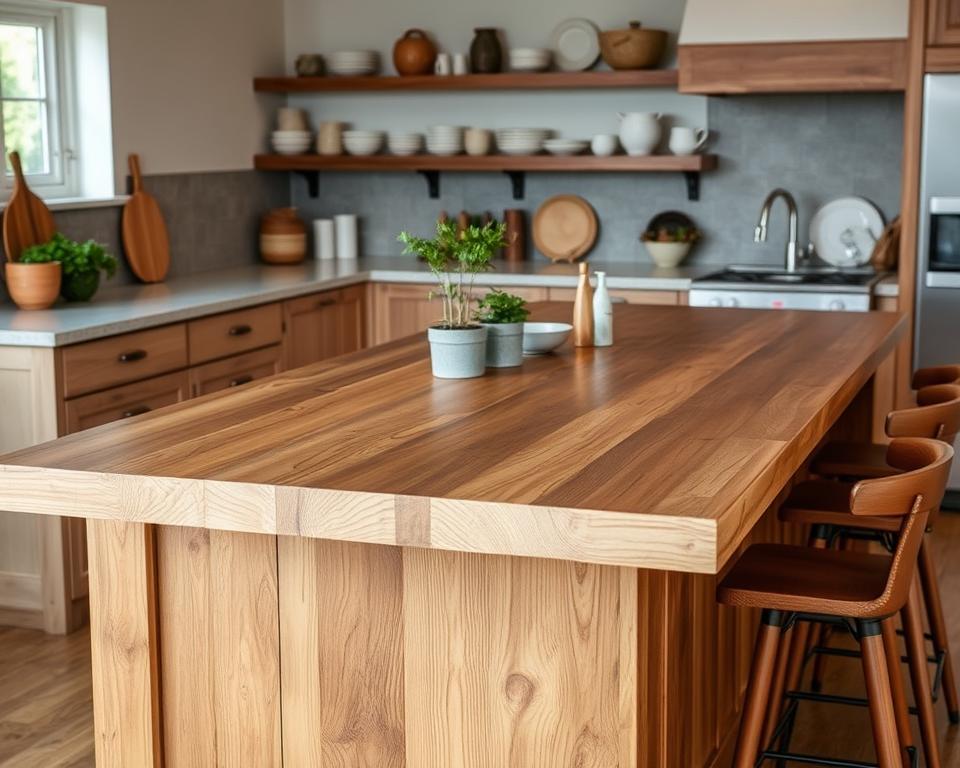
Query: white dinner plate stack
[[521, 141], [404, 143], [529, 59], [291, 142], [353, 63], [565, 146], [363, 142], [445, 139]]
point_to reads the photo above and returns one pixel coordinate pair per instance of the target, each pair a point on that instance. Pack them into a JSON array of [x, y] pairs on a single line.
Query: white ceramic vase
[[504, 345], [639, 132], [458, 353]]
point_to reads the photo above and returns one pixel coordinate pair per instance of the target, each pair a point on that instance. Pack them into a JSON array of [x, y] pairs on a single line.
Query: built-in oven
[[943, 243]]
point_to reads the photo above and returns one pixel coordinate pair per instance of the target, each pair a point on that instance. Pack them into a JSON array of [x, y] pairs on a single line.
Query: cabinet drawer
[[234, 332], [234, 371], [121, 359], [126, 401]]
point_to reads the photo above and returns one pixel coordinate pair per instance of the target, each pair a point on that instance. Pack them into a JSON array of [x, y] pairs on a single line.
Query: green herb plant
[[499, 307], [455, 259], [81, 263]]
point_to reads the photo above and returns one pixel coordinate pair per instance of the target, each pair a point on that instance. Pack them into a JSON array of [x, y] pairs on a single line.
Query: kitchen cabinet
[[943, 36], [323, 325], [231, 333], [235, 371], [124, 402]]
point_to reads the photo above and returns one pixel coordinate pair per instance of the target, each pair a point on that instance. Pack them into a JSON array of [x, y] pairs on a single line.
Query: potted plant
[[33, 285], [669, 237], [81, 264], [457, 342], [503, 314]]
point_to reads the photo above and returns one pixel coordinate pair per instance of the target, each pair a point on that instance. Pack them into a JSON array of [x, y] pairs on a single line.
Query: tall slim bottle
[[602, 313], [583, 310]]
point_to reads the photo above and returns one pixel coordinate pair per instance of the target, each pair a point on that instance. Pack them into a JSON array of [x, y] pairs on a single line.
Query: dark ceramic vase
[[486, 53]]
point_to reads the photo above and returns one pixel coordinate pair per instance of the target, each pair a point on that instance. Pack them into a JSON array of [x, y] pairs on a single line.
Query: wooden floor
[[45, 699]]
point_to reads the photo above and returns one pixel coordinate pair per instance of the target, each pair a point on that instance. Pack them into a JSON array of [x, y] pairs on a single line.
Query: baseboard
[[11, 617], [21, 591]]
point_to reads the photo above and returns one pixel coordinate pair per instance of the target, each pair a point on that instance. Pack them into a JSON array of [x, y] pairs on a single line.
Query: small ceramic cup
[[477, 141], [686, 141], [443, 64], [604, 144], [460, 64], [330, 138], [291, 119]]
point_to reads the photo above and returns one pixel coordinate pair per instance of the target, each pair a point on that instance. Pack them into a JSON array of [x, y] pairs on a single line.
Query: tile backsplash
[[818, 146]]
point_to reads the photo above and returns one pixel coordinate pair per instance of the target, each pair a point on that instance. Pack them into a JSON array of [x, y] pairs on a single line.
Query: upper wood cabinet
[[323, 325], [943, 22]]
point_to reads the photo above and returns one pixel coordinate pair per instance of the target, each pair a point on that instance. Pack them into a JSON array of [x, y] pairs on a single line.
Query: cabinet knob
[[132, 356], [246, 379], [239, 330], [137, 411]]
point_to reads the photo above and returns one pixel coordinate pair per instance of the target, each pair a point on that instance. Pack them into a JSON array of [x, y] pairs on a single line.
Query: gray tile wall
[[818, 146]]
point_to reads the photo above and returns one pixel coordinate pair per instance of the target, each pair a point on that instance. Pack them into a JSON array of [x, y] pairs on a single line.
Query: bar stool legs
[[897, 690], [938, 629], [882, 715], [919, 674], [758, 690]]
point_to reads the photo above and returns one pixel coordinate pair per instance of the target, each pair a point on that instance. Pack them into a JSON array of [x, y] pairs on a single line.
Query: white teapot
[[639, 132]]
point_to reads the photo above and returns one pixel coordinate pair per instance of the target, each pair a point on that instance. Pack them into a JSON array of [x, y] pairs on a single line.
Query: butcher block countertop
[[660, 452]]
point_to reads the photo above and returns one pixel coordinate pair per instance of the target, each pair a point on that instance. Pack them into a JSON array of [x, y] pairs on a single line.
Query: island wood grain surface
[[660, 452]]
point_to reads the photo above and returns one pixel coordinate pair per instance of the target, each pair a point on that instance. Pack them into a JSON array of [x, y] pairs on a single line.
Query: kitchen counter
[[355, 558], [128, 308]]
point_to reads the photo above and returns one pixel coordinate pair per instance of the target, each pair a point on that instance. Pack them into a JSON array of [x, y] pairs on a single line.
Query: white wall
[[181, 78], [322, 26]]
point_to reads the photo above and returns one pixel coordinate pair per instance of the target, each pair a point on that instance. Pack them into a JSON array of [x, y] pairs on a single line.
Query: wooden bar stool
[[822, 504], [857, 590]]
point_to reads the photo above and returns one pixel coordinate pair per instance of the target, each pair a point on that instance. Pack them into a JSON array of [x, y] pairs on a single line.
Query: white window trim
[[64, 179]]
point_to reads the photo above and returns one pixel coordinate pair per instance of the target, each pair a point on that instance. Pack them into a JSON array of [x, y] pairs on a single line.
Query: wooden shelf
[[507, 81]]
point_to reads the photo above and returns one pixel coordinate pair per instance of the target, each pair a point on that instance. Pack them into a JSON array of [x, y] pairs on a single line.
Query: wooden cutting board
[[26, 220], [565, 228], [145, 238]]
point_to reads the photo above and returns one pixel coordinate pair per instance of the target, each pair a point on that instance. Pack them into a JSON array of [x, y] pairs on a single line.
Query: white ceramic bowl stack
[[445, 139], [353, 63], [529, 59], [404, 143], [565, 146], [291, 142], [521, 141], [363, 142]]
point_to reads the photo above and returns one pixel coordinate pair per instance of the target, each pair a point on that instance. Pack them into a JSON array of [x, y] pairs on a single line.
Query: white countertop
[[126, 308]]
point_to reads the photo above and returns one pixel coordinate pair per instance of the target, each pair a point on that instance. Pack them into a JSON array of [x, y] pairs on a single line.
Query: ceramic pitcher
[[639, 132]]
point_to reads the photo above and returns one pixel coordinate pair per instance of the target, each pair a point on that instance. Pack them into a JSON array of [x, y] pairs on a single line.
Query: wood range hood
[[782, 46]]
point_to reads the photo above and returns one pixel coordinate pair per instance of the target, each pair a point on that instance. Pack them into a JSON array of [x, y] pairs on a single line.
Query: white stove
[[823, 290]]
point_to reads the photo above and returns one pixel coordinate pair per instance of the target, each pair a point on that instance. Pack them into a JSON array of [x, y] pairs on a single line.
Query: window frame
[[63, 181]]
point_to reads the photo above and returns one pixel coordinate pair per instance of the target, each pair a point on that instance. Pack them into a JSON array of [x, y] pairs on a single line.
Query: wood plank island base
[[355, 564]]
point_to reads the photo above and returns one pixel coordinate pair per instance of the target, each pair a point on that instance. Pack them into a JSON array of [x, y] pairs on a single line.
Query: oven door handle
[[944, 205]]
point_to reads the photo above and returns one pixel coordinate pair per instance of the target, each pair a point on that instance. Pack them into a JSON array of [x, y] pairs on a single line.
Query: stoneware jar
[[414, 53], [639, 132], [33, 286], [504, 345], [283, 237], [486, 53], [458, 353]]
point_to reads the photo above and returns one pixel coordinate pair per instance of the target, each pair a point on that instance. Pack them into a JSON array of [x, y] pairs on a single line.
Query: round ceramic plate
[[576, 44], [564, 228], [844, 231]]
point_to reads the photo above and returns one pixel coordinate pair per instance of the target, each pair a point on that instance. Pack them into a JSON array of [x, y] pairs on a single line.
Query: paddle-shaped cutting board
[[145, 237], [26, 220]]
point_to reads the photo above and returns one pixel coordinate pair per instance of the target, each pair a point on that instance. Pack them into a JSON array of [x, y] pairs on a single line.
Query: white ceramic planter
[[504, 345], [458, 353]]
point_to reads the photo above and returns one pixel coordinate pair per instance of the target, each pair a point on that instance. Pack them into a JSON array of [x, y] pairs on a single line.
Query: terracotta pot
[[282, 221], [486, 53], [414, 53], [633, 48], [33, 286]]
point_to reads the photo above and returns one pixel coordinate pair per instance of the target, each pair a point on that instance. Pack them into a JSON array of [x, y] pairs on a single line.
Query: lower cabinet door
[[124, 402], [235, 371], [323, 325]]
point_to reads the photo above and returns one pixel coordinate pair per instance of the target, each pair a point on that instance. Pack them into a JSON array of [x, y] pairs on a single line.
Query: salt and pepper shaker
[[602, 313], [583, 310]]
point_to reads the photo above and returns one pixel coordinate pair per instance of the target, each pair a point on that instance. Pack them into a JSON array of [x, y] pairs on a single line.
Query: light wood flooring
[[45, 699]]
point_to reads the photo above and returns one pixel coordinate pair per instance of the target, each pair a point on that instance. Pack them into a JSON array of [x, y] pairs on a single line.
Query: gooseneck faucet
[[793, 242]]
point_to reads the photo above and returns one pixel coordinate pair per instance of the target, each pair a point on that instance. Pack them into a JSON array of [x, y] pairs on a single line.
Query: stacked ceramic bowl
[[291, 142], [521, 141], [529, 59], [363, 142], [404, 143], [445, 139], [565, 146], [353, 62]]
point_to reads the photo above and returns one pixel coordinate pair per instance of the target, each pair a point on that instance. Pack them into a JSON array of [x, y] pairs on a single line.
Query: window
[[33, 113]]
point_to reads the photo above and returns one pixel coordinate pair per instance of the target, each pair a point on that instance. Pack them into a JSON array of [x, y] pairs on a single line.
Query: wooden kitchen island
[[356, 564]]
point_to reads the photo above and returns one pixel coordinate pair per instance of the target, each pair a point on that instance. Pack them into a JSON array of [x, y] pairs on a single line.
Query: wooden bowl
[[283, 249], [633, 48], [282, 221], [33, 286]]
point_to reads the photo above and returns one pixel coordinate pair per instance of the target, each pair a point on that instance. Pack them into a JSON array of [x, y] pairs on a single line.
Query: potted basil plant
[[503, 314], [458, 344], [81, 264]]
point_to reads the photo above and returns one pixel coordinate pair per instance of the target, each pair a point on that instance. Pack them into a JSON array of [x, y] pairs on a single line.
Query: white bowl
[[540, 338], [362, 145], [565, 147], [405, 143], [667, 255]]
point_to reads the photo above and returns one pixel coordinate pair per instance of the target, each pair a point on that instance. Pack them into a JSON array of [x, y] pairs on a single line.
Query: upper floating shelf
[[507, 81]]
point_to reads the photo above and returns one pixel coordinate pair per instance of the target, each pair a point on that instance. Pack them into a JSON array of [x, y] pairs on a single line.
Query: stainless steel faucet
[[793, 242]]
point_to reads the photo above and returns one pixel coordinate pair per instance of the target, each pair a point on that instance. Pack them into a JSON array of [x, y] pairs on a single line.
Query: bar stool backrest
[[912, 495], [938, 374], [937, 414]]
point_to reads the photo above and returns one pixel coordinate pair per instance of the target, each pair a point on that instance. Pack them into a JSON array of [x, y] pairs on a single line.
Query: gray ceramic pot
[[504, 345], [459, 353]]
